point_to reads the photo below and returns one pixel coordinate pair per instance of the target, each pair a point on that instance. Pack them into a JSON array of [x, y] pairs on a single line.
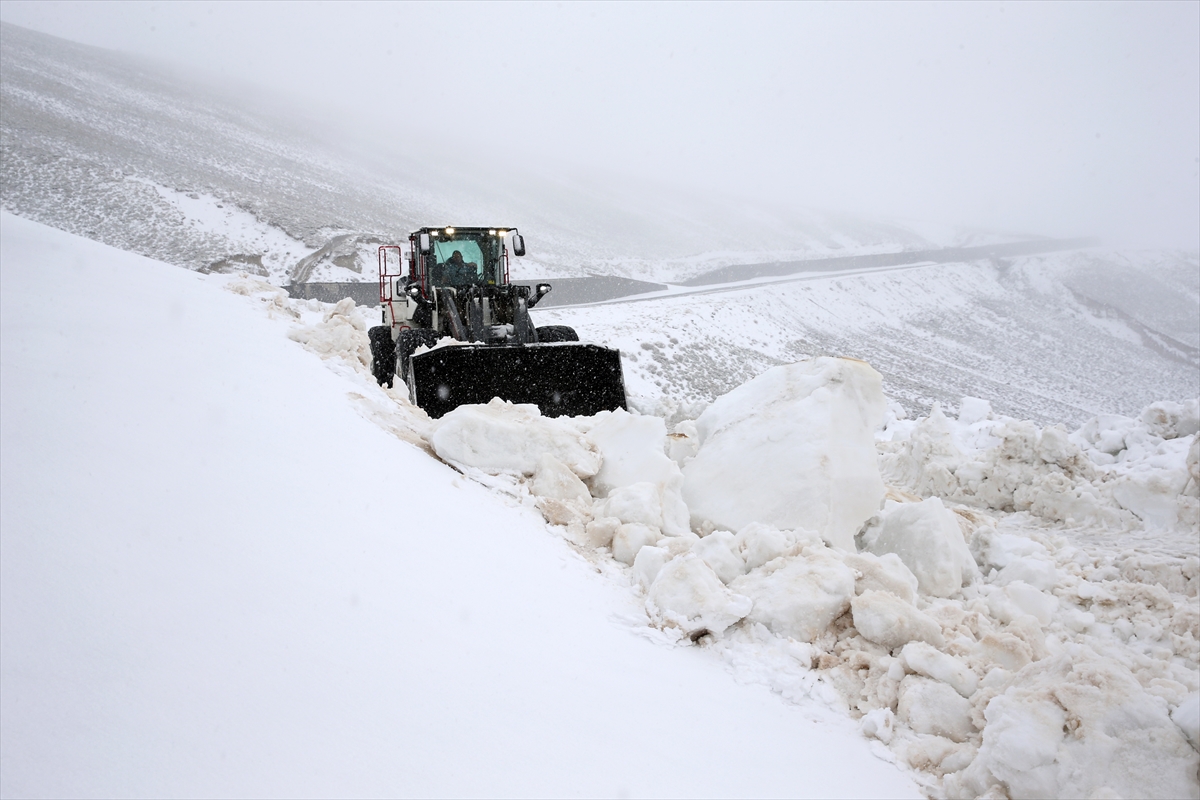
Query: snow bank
[[1078, 725], [792, 448], [1109, 469], [503, 437], [978, 643], [276, 607], [342, 333]]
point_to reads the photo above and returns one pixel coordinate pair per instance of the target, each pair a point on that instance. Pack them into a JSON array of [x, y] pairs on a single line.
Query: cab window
[[480, 261]]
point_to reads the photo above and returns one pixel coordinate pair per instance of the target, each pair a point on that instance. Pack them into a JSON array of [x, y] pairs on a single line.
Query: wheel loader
[[456, 330]]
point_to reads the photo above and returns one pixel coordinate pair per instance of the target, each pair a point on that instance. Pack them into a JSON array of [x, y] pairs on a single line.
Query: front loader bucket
[[562, 379]]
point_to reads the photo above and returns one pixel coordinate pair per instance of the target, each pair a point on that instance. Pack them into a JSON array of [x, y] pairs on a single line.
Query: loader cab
[[462, 257]]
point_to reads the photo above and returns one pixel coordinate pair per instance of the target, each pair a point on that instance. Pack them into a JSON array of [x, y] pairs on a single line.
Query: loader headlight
[[543, 288], [449, 231]]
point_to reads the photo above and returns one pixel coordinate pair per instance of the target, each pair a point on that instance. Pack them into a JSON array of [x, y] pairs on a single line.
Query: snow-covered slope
[[211, 524], [225, 570], [1046, 338]]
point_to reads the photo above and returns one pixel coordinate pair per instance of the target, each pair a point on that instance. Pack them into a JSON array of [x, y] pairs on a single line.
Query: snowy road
[[604, 289]]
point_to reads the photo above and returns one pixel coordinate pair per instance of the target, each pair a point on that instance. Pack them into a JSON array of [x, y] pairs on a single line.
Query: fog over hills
[[128, 152], [113, 147]]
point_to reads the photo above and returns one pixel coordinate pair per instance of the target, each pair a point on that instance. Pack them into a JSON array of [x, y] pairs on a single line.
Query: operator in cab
[[459, 272]]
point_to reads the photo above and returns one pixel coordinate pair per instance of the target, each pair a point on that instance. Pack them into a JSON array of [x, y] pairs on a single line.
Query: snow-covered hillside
[[124, 152], [232, 568], [1052, 338], [228, 571]]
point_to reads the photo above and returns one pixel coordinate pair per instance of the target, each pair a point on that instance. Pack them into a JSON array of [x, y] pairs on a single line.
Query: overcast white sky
[[1072, 118]]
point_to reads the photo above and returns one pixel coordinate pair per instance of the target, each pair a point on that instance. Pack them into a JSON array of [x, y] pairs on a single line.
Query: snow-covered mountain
[[124, 151], [1052, 338]]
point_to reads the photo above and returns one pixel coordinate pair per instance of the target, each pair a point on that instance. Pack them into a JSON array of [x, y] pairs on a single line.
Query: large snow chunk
[[1152, 493], [601, 530], [928, 540], [342, 334], [634, 451], [880, 723], [885, 573], [648, 562], [973, 409], [631, 538], [933, 707], [719, 551], [889, 621], [563, 498], [932, 663], [1080, 725], [555, 480], [799, 596], [638, 502], [683, 441], [1018, 558], [760, 543], [1019, 598], [506, 437], [688, 594], [793, 448]]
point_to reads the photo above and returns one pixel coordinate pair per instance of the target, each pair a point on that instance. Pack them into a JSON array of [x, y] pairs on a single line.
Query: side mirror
[[424, 244], [518, 244]]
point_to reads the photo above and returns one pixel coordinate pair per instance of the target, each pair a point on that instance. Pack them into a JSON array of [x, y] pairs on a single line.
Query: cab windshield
[[465, 259]]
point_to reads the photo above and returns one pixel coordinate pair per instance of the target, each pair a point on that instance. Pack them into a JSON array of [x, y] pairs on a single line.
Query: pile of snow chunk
[[614, 481], [1000, 659], [1110, 471], [687, 593], [792, 448], [341, 333], [1077, 725]]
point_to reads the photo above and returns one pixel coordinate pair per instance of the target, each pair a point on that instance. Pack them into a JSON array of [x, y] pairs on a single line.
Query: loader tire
[[557, 333], [410, 339], [383, 354]]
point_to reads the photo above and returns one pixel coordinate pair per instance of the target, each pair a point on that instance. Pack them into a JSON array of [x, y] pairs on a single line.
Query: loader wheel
[[557, 333], [410, 339], [383, 354]]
